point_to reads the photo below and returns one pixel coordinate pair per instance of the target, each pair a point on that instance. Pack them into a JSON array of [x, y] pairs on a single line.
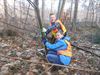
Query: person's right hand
[[50, 27]]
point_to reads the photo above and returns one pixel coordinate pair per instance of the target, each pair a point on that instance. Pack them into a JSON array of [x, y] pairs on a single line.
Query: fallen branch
[[80, 48], [69, 67]]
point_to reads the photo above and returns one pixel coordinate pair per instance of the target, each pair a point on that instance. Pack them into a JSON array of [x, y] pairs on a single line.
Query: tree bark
[[6, 16], [43, 3], [21, 13], [60, 8], [75, 15], [14, 8], [71, 7]]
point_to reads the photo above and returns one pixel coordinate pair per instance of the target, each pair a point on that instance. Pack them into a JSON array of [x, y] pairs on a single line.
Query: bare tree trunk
[[24, 14], [60, 7], [37, 11], [90, 13], [71, 10], [21, 13], [92, 23], [51, 6], [87, 13], [6, 15], [14, 14], [14, 7], [43, 4], [97, 19], [27, 15], [86, 17], [75, 15]]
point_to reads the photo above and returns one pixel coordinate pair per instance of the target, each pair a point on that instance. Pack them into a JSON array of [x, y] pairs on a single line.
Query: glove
[[49, 29], [57, 25], [44, 40], [47, 32]]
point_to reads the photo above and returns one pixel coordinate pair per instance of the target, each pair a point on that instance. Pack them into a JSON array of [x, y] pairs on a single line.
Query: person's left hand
[[57, 25], [49, 27]]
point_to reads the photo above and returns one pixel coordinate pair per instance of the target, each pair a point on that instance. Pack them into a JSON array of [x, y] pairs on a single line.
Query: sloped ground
[[19, 57]]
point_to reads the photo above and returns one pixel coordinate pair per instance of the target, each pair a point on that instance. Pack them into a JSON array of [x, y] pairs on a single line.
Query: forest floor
[[20, 57]]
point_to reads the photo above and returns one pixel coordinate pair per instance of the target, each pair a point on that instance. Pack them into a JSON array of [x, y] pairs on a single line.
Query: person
[[59, 52], [55, 26]]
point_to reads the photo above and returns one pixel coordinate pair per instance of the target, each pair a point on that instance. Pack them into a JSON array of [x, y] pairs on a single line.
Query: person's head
[[59, 35], [52, 17]]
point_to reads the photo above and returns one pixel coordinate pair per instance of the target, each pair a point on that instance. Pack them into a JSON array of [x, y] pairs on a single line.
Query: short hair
[[52, 14]]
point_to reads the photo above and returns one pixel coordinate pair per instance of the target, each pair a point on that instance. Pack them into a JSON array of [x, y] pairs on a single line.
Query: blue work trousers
[[58, 59]]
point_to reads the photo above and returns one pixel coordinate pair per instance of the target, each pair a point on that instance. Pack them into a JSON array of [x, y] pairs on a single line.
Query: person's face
[[59, 36], [53, 18]]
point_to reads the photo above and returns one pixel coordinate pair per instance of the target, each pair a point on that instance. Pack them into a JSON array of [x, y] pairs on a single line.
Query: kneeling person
[[60, 51]]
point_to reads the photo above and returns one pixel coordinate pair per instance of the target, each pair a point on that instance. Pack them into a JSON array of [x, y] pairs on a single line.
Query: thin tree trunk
[[87, 14], [6, 15], [27, 15], [43, 3], [60, 7], [14, 8], [37, 11], [75, 15], [71, 10], [92, 23], [51, 6], [21, 13]]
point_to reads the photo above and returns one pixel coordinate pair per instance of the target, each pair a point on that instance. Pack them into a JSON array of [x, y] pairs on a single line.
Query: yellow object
[[68, 51]]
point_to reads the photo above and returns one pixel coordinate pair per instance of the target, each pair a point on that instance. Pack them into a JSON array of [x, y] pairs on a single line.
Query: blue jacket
[[58, 45]]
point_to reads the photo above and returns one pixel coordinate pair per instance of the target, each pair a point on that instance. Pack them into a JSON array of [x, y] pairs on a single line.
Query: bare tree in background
[[37, 12], [93, 13], [60, 7], [14, 7], [43, 4], [6, 15], [51, 6], [75, 15], [90, 13], [71, 7], [21, 12], [87, 13], [27, 15], [97, 19]]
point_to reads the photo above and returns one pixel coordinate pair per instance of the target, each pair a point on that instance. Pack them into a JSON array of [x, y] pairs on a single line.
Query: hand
[[57, 25], [50, 27], [47, 32]]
